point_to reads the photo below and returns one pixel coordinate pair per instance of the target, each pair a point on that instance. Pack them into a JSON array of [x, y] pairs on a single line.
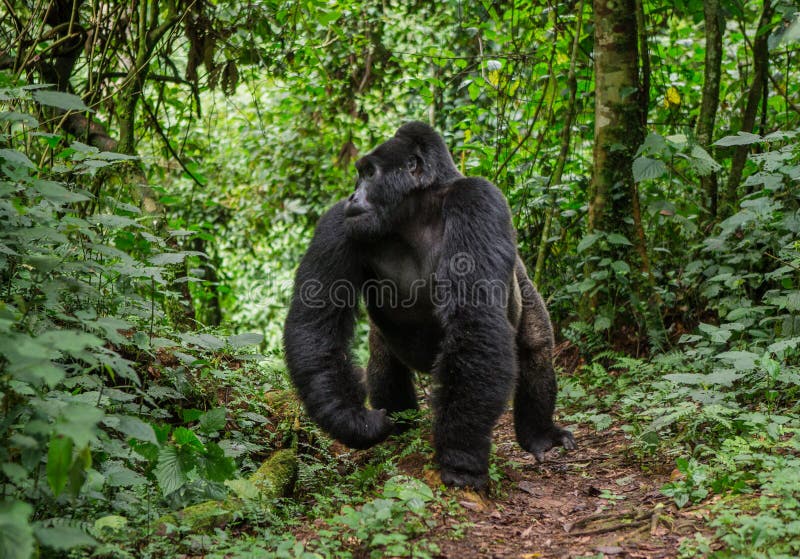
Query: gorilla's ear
[[414, 164]]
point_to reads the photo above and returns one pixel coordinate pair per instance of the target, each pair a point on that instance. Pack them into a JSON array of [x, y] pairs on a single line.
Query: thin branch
[[167, 143]]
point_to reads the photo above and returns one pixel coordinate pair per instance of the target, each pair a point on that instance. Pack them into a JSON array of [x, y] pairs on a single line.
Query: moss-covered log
[[273, 479]]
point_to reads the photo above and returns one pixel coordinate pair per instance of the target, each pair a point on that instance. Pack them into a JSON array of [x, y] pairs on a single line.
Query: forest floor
[[592, 502]]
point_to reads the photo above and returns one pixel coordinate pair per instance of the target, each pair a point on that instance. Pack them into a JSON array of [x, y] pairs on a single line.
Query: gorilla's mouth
[[353, 210]]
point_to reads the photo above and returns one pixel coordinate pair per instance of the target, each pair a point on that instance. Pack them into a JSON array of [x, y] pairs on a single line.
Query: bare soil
[[595, 501]]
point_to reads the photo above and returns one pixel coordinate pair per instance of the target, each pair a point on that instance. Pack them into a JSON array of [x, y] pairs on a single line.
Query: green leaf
[[654, 144], [588, 241], [645, 168], [620, 267], [16, 158], [602, 323], [243, 488], [678, 140], [243, 340], [217, 466], [720, 377], [203, 341], [55, 192], [741, 139], [16, 473], [717, 335], [16, 533], [703, 163], [686, 378], [64, 537], [167, 258], [118, 475], [111, 522], [406, 488], [184, 437], [60, 100], [70, 341], [617, 239], [79, 422], [59, 458], [780, 347], [171, 470], [741, 360], [213, 420], [135, 428], [24, 118]]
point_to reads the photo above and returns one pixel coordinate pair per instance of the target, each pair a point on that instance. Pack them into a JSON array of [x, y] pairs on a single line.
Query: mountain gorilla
[[433, 255]]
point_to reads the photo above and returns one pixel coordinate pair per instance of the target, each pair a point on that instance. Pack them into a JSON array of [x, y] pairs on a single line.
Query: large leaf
[[741, 360], [64, 537], [741, 139], [645, 168], [16, 533], [16, 158], [55, 192], [118, 475], [243, 340], [617, 239], [588, 241], [135, 428], [213, 420], [59, 458], [60, 100], [703, 163], [171, 470]]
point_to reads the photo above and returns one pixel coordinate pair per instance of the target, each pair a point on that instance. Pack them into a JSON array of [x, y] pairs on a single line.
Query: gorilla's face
[[386, 177]]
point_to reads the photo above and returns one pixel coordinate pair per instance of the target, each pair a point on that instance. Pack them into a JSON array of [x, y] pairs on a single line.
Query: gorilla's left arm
[[476, 363]]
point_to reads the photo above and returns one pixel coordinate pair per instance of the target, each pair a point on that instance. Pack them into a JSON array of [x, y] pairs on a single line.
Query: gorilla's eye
[[368, 171], [412, 163]]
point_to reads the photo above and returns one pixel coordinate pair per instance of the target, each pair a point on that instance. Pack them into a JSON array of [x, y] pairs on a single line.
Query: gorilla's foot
[[539, 443], [460, 478]]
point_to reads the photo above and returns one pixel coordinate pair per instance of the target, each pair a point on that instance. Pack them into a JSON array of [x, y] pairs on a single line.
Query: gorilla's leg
[[535, 397], [389, 382]]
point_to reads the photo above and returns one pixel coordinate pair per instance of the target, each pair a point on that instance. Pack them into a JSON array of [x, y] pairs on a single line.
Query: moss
[[277, 474], [204, 517]]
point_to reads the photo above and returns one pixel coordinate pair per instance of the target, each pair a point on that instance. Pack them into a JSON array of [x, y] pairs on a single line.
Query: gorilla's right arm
[[318, 334]]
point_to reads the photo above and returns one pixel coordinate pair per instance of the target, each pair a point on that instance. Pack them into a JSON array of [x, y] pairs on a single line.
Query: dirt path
[[593, 502]]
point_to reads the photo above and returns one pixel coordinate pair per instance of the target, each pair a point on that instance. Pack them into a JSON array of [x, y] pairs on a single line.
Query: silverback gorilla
[[433, 255]]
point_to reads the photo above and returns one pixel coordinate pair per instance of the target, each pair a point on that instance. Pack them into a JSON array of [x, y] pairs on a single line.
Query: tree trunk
[[754, 95], [618, 129], [708, 106], [566, 135]]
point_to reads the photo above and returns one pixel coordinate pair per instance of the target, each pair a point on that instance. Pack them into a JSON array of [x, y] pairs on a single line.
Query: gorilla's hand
[[555, 436], [364, 428]]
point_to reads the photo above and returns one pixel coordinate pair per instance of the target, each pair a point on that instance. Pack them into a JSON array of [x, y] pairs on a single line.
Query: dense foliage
[[162, 165]]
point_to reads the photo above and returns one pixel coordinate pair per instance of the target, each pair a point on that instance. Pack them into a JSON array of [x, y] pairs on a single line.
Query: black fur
[[433, 255]]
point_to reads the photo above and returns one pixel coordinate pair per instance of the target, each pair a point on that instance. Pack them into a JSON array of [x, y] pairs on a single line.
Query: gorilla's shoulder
[[476, 197], [334, 215], [331, 223]]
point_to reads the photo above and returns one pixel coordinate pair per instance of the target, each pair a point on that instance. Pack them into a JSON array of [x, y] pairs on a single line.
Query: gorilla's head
[[416, 158]]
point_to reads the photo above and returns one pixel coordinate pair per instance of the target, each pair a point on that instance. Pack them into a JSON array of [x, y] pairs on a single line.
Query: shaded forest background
[[162, 167]]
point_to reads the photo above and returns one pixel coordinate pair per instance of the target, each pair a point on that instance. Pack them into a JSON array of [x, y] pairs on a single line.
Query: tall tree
[[708, 106], [619, 131]]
